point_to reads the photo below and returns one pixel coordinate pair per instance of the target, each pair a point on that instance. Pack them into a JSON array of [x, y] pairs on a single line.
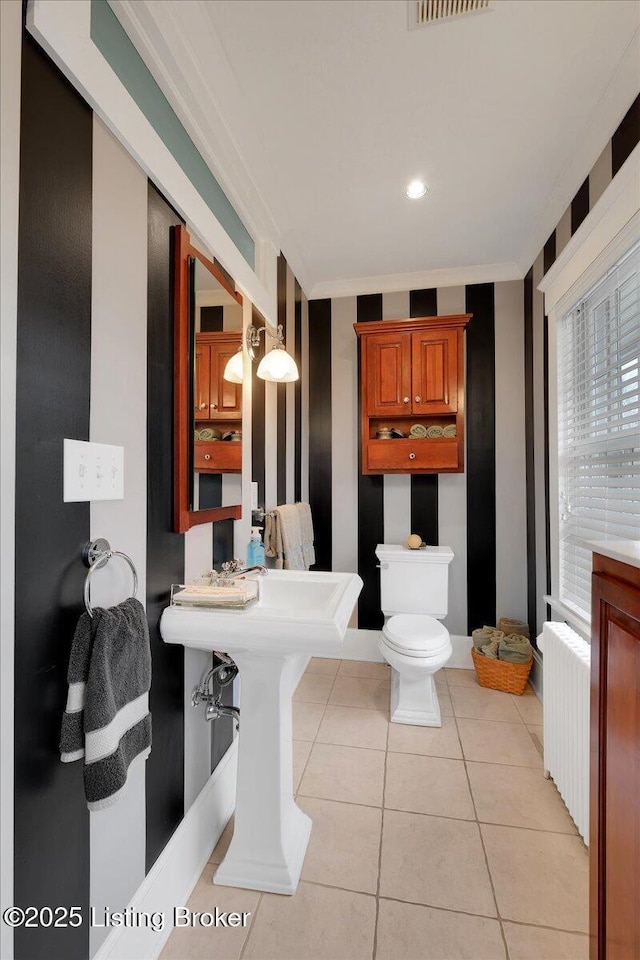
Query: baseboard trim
[[535, 677], [175, 873], [363, 645]]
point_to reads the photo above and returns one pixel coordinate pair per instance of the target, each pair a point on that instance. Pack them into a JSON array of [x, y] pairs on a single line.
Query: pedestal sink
[[298, 614]]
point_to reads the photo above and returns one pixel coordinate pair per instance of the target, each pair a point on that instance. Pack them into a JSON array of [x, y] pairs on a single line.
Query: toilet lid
[[415, 635]]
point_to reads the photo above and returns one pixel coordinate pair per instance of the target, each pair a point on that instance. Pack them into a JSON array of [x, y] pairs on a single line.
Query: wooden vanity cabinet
[[614, 805], [412, 371]]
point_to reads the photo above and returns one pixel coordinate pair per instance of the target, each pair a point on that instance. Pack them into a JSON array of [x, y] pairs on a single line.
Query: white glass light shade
[[234, 369], [279, 366]]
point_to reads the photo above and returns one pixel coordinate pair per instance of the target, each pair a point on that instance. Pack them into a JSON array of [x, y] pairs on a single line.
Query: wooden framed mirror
[[207, 407]]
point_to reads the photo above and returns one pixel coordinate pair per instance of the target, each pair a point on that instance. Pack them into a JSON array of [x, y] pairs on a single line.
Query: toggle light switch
[[92, 471]]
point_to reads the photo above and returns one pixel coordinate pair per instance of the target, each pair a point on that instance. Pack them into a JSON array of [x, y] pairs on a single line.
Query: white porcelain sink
[[299, 614]]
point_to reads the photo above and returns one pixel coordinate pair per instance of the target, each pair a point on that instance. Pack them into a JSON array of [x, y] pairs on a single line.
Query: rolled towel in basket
[[515, 649], [510, 626], [484, 635], [491, 649]]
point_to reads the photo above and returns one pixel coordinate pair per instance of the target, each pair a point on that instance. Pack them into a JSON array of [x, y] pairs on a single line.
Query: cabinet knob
[[207, 456], [203, 406], [214, 406], [405, 399], [418, 399], [412, 456]]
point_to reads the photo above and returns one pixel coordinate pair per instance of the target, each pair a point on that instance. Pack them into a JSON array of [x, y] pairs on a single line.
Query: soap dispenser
[[255, 550]]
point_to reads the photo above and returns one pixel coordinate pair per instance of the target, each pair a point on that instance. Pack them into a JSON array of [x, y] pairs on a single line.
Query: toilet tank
[[414, 581]]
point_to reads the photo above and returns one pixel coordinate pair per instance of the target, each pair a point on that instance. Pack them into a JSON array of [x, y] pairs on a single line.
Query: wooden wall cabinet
[[215, 397], [217, 401], [412, 371], [614, 802]]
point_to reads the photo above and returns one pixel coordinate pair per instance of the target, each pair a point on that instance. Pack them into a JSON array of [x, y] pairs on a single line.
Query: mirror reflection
[[216, 337]]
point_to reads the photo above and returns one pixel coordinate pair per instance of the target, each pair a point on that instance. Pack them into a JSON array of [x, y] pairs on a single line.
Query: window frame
[[608, 231]]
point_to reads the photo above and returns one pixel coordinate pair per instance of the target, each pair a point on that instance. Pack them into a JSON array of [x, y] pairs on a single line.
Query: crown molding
[[177, 71], [425, 279], [616, 99]]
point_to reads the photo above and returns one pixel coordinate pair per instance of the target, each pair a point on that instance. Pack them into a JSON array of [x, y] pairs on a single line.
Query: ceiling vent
[[422, 12]]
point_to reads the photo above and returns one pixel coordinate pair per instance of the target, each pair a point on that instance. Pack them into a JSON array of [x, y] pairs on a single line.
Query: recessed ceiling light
[[416, 190]]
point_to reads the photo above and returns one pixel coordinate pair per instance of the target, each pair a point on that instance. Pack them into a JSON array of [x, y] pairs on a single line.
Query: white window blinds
[[598, 424]]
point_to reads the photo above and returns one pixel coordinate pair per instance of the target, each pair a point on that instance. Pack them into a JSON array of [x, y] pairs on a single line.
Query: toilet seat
[[415, 635]]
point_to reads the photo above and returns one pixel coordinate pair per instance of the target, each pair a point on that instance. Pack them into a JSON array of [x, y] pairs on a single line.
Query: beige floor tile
[[408, 932], [440, 677], [306, 719], [539, 878], [456, 677], [313, 688], [301, 751], [482, 704], [323, 666], [517, 797], [536, 733], [536, 943], [211, 943], [344, 846], [220, 849], [428, 741], [354, 727], [366, 669], [444, 699], [435, 861], [318, 923], [344, 773], [428, 785], [361, 692], [529, 708], [493, 742]]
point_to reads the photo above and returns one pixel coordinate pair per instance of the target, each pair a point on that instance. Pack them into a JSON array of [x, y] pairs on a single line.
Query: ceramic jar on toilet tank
[[414, 592]]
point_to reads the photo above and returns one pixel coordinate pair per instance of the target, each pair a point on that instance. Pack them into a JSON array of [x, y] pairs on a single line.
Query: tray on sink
[[235, 596]]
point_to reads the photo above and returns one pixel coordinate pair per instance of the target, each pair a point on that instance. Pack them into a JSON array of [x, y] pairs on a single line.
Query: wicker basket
[[500, 674]]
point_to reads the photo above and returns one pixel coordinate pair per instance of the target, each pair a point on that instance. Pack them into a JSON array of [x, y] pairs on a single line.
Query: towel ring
[[96, 554]]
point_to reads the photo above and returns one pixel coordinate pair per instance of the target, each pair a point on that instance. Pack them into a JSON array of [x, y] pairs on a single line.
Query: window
[[598, 424]]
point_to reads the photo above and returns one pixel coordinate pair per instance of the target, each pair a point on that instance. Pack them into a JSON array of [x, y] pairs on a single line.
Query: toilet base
[[414, 700]]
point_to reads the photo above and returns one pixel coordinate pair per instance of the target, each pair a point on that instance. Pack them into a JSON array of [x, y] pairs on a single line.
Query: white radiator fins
[[567, 664]]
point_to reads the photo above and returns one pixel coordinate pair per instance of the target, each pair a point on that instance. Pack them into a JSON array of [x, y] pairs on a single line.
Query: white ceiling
[[314, 115]]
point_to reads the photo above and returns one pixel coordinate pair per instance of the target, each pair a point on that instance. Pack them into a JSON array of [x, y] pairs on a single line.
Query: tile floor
[[427, 844]]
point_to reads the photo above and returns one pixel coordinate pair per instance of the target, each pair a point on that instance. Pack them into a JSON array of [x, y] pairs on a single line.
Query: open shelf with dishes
[[412, 395]]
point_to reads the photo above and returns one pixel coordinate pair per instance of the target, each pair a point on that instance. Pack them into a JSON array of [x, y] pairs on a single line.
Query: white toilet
[[414, 597]]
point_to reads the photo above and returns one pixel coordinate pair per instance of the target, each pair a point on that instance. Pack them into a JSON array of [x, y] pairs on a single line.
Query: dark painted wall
[[53, 382], [165, 549]]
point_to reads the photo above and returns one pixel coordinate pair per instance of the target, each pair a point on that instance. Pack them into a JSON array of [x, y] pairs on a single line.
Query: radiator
[[566, 669]]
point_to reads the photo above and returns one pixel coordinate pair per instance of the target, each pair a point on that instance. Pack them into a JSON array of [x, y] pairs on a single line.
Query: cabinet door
[[614, 833], [388, 374], [202, 387], [226, 397], [435, 372]]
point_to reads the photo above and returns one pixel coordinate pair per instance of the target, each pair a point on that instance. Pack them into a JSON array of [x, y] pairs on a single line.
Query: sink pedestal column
[[271, 832]]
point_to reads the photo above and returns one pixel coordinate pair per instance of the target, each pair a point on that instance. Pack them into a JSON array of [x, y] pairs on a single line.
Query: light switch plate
[[92, 471], [254, 494]]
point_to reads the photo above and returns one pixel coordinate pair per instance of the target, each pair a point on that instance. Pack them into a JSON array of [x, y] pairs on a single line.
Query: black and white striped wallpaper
[[94, 361], [352, 512]]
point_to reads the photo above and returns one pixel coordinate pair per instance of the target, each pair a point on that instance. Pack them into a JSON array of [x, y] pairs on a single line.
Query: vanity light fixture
[[277, 364], [233, 372], [416, 190]]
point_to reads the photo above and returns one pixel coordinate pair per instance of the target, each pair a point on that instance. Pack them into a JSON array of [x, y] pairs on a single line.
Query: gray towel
[[107, 719]]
